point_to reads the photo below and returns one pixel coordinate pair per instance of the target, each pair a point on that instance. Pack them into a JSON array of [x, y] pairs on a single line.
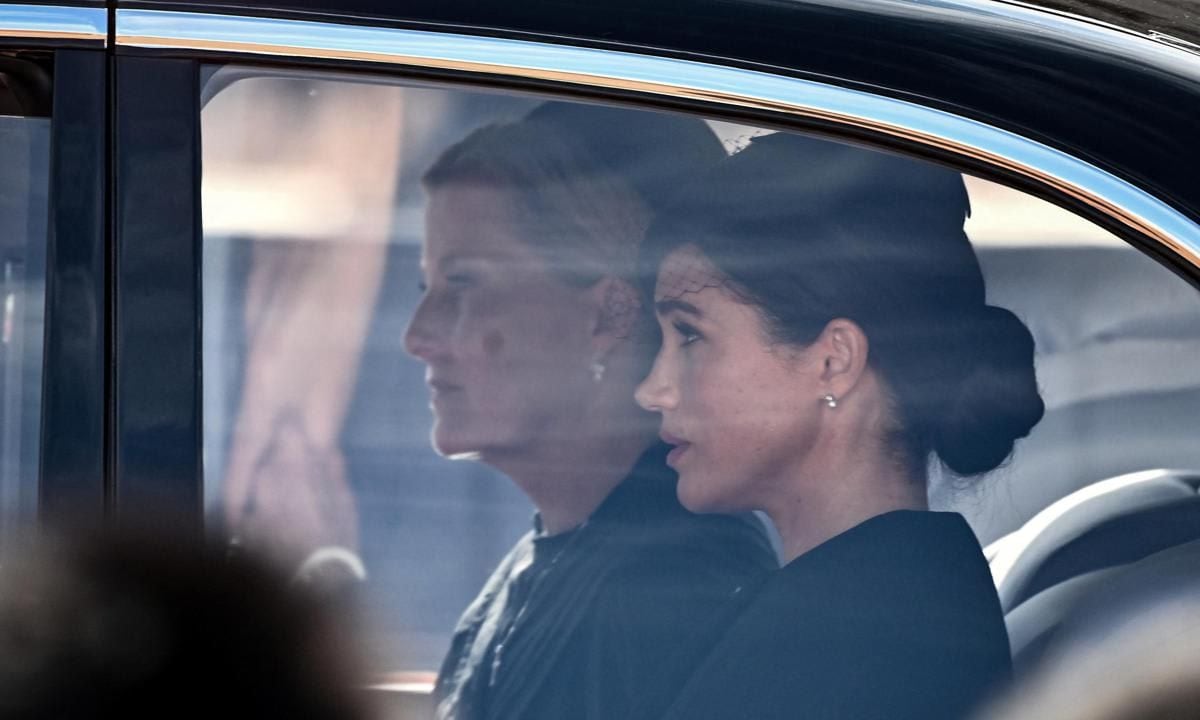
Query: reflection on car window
[[24, 183], [335, 280]]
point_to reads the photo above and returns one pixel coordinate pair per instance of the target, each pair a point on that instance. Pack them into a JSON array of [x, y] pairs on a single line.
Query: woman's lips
[[681, 447], [441, 393], [676, 453]]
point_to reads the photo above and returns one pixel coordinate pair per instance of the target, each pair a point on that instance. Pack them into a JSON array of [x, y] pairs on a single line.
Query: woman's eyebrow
[[662, 307]]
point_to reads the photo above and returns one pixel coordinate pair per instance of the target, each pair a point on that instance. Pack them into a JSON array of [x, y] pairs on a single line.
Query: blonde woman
[[534, 337]]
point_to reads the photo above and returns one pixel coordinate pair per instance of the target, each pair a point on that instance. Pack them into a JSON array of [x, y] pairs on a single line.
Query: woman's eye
[[460, 280], [688, 333]]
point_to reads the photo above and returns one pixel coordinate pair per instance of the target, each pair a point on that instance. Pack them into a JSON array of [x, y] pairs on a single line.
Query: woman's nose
[[657, 393], [425, 337]]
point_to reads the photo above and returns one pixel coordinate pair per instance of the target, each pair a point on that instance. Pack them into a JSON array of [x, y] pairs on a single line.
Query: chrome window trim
[[50, 22], [711, 83]]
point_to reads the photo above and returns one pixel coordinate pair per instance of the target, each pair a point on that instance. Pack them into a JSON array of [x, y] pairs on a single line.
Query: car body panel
[[1176, 19], [1111, 95]]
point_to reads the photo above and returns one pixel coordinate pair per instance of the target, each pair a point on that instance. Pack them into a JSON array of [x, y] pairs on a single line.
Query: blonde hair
[[584, 219]]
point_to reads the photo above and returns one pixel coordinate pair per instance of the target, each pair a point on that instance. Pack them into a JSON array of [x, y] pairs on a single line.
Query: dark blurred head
[[1140, 663], [134, 627], [808, 231]]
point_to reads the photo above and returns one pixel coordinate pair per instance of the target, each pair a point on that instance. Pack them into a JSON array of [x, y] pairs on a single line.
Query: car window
[[24, 184], [317, 422]]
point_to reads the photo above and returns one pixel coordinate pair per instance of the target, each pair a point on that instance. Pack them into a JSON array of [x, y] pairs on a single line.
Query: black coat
[[896, 618], [606, 621]]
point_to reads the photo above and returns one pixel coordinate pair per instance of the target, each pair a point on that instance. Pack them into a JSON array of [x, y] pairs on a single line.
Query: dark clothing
[[895, 619], [606, 621]]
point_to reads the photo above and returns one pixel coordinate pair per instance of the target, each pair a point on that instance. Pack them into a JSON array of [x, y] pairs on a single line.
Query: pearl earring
[[597, 369], [829, 400]]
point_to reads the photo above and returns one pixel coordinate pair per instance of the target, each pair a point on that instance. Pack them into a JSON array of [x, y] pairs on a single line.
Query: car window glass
[[317, 422], [24, 183]]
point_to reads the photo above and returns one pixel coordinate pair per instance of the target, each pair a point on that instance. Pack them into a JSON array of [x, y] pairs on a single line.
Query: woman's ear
[[616, 304], [843, 348]]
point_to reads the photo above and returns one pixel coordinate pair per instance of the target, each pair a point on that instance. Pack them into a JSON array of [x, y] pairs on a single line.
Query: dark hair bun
[[809, 230], [996, 401]]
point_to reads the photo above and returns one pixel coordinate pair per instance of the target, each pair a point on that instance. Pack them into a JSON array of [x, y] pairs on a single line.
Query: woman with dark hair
[[535, 336], [825, 334]]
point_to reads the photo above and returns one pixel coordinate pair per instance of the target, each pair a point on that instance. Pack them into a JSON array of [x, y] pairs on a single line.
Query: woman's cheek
[[685, 371], [493, 343], [478, 334], [698, 386]]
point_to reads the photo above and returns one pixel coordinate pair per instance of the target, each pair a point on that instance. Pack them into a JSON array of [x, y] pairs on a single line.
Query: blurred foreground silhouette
[[138, 626], [1140, 664]]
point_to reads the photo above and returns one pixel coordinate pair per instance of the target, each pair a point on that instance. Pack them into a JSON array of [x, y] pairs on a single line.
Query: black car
[[210, 219]]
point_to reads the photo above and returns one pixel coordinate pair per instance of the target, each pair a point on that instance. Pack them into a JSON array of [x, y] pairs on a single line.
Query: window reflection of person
[[825, 332], [317, 200], [534, 338]]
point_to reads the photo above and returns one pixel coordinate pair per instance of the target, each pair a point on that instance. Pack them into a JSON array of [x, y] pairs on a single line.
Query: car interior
[[1068, 514], [1113, 466], [1105, 486]]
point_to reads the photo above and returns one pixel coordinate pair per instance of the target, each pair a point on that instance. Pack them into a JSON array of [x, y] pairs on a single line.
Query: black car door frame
[[73, 41], [156, 451]]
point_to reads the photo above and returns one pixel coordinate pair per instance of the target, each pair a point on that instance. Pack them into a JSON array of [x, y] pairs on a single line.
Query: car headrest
[[1085, 606], [1018, 558]]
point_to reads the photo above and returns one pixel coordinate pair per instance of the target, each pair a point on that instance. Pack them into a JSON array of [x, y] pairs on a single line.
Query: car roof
[[1175, 18]]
